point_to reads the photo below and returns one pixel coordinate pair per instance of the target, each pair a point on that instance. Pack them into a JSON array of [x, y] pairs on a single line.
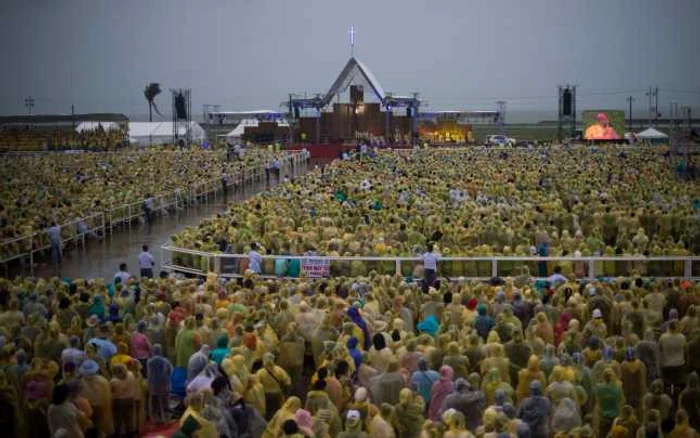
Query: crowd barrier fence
[[199, 263]]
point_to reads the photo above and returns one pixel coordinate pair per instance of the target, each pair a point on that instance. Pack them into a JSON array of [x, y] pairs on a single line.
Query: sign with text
[[316, 268]]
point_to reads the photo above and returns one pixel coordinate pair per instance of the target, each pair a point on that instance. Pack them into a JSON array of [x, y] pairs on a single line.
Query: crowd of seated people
[[25, 138], [558, 201], [373, 356], [39, 190]]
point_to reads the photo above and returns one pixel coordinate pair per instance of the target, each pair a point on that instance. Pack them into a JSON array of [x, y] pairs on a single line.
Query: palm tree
[[150, 93]]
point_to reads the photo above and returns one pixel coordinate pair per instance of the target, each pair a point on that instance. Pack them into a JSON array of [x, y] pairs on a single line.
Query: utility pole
[[656, 105], [653, 108], [630, 99], [672, 112], [501, 105], [29, 104]]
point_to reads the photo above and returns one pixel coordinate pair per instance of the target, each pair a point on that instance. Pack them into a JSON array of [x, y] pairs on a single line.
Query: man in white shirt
[[146, 262], [430, 260], [123, 275], [254, 259]]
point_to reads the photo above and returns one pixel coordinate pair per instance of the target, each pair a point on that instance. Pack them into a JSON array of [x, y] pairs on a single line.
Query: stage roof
[[354, 70]]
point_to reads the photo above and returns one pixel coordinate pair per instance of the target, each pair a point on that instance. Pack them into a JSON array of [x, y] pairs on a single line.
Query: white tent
[[94, 126], [234, 137], [651, 134], [154, 133]]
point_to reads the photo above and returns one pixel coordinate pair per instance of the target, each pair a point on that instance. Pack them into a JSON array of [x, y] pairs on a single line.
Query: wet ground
[[101, 258]]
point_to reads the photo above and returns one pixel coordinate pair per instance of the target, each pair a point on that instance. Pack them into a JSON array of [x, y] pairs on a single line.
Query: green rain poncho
[[409, 414], [185, 344]]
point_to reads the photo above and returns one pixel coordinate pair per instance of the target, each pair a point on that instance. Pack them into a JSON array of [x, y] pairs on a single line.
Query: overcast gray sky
[[249, 54]]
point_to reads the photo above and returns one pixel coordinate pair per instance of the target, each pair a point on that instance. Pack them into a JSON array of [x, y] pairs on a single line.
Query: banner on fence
[[315, 268]]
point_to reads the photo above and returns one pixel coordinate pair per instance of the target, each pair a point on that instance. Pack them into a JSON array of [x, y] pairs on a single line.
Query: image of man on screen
[[601, 130]]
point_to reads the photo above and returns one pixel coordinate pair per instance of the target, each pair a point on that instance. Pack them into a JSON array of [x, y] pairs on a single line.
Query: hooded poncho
[[197, 363], [458, 362], [380, 427], [185, 346], [388, 385], [409, 414], [527, 376], [159, 371], [483, 323], [354, 315], [286, 412], [566, 416], [471, 403], [440, 390], [648, 353], [519, 353], [354, 352], [689, 400], [535, 411], [423, 379]]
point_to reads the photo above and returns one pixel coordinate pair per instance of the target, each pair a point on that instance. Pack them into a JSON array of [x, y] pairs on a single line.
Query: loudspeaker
[[180, 108], [408, 112], [296, 112], [566, 106]]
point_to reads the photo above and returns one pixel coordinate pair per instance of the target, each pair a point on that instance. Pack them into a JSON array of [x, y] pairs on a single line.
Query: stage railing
[[105, 221], [193, 262]]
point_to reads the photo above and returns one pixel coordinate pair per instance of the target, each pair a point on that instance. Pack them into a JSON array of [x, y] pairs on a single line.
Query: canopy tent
[[234, 137], [155, 133], [94, 126], [651, 134]]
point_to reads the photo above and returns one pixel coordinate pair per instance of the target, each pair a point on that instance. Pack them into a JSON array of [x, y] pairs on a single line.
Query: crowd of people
[[372, 356], [25, 138], [39, 190], [552, 201], [363, 354]]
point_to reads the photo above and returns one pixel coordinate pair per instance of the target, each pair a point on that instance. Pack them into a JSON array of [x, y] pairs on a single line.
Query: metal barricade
[[188, 261]]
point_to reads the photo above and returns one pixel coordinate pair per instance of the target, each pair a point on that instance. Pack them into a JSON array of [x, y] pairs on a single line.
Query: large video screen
[[604, 125]]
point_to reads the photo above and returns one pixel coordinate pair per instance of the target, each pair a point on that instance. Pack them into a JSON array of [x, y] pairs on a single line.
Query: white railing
[[27, 246], [188, 261]]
